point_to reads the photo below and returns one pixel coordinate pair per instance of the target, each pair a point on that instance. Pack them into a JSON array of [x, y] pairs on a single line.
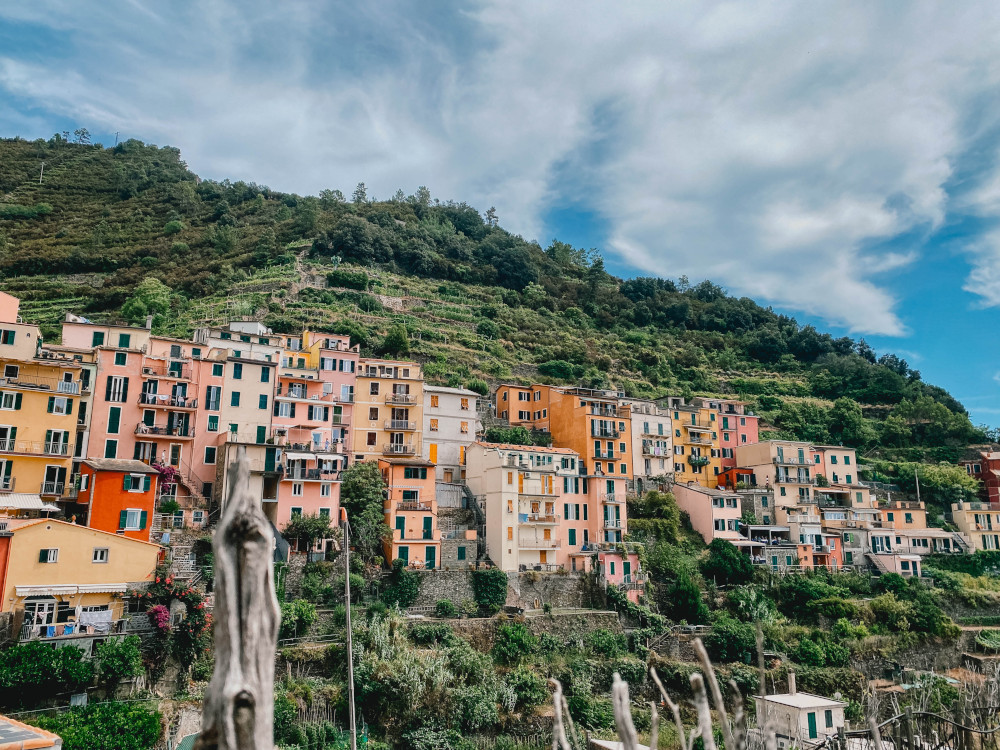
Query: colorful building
[[411, 512], [986, 468], [697, 455], [785, 466], [451, 424], [388, 412], [979, 523], [119, 495], [39, 402], [737, 426], [715, 512], [68, 578], [652, 445]]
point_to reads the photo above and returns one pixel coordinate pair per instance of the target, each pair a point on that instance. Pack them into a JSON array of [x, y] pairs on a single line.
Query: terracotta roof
[[16, 524], [17, 736]]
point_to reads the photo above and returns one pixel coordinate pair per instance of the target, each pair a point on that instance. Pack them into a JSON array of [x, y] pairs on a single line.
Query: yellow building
[[39, 404], [67, 576], [697, 452], [388, 409]]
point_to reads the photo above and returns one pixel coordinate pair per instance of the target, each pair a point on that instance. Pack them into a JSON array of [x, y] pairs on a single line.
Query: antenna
[[116, 137]]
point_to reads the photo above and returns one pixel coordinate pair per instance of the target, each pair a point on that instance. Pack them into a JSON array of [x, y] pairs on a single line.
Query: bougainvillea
[[184, 640]]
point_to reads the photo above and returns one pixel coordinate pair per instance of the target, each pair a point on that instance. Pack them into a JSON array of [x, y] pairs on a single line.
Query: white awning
[[103, 588], [50, 507], [45, 590], [22, 501], [295, 456]]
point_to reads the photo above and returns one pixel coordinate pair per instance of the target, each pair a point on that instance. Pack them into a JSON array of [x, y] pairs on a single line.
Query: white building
[[652, 444], [451, 423], [799, 719]]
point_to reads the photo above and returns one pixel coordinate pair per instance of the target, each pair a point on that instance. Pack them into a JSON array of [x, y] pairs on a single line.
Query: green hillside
[[476, 301]]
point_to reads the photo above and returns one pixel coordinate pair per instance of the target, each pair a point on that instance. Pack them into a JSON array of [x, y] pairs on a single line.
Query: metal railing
[[311, 474], [409, 505], [162, 399], [541, 518], [539, 543], [166, 371], [604, 454], [163, 431], [605, 433], [398, 449], [612, 523], [610, 497], [52, 488], [400, 398], [400, 424], [69, 387], [34, 632]]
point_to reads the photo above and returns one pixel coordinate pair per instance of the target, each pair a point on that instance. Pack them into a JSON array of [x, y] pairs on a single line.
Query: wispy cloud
[[769, 148]]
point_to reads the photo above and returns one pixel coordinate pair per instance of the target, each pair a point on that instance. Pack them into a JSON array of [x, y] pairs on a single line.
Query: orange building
[[593, 423], [411, 512], [120, 495]]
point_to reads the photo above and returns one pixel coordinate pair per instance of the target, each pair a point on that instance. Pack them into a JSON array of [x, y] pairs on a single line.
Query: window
[[97, 339], [572, 537], [60, 405], [100, 555], [510, 533], [116, 389], [414, 472], [198, 516], [434, 401], [297, 489], [136, 482], [464, 427], [10, 401], [237, 370], [217, 370], [833, 459], [465, 404], [372, 436], [121, 359], [132, 519], [324, 489], [234, 398], [847, 478], [210, 452], [262, 401], [265, 374], [373, 389], [828, 717], [434, 425], [624, 469], [213, 423], [373, 414], [48, 555], [891, 517], [111, 449], [296, 511]]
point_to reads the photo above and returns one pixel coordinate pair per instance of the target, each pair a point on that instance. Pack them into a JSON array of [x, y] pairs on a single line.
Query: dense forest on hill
[[125, 231]]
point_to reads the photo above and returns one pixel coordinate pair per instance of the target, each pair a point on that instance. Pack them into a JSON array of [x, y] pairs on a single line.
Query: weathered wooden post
[[239, 701]]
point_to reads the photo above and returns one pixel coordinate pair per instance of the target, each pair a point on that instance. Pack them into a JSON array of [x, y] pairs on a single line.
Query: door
[[175, 454], [400, 526], [430, 558], [811, 717], [39, 612], [261, 433], [428, 522], [627, 570], [270, 459], [404, 555]]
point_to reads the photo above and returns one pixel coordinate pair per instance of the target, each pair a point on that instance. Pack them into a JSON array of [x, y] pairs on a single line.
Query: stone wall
[[568, 627], [436, 585], [533, 590]]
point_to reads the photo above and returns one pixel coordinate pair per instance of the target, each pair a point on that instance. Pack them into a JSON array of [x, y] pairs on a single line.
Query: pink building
[[737, 426], [715, 513]]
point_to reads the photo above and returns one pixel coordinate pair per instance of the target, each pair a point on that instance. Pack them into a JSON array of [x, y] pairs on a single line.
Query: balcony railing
[[409, 505], [33, 632], [540, 518], [69, 387], [7, 444], [610, 497], [605, 433], [400, 398], [52, 488], [167, 401], [604, 454], [7, 483], [656, 451], [398, 449], [300, 474], [539, 543], [793, 479], [400, 425], [163, 370], [163, 431], [791, 461], [612, 523]]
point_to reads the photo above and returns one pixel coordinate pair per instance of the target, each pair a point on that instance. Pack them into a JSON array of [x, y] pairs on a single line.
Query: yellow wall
[[704, 440], [364, 401], [37, 382], [129, 561]]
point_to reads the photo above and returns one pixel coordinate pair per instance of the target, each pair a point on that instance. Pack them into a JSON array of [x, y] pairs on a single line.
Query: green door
[[261, 433], [400, 526], [404, 554], [429, 558], [428, 533], [627, 569], [811, 716], [270, 456]]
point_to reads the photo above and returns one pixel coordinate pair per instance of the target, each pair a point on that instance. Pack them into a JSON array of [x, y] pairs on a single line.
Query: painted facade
[[120, 496], [450, 426], [388, 411]]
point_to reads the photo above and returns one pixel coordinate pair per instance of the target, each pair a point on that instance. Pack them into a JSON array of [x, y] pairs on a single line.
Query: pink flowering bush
[[160, 616]]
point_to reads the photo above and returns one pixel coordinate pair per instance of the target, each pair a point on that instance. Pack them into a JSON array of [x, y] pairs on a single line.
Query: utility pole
[[917, 477], [347, 606], [116, 137], [41, 173]]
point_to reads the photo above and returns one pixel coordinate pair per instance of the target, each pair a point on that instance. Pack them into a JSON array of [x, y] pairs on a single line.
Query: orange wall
[[108, 500], [4, 558]]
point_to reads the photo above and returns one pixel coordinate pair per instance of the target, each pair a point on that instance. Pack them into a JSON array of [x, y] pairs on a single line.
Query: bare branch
[[713, 683], [623, 714], [674, 708], [704, 710]]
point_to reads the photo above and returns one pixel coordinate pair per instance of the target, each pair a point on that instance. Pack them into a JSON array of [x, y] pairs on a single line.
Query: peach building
[[411, 512], [715, 512], [388, 412], [596, 424], [652, 444], [119, 496], [785, 465], [979, 523]]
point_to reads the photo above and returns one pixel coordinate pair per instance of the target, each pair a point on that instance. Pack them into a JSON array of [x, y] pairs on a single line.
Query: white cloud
[[768, 148]]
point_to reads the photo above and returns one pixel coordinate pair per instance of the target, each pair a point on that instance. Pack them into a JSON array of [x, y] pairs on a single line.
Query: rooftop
[[802, 700], [15, 735], [525, 448], [130, 465]]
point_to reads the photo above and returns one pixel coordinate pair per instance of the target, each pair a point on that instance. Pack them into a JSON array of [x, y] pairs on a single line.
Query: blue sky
[[837, 160]]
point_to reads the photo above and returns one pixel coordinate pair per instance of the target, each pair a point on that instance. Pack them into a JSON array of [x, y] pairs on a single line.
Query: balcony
[[611, 498], [605, 433], [33, 632], [398, 449], [400, 425], [698, 439], [545, 544], [793, 479], [70, 388], [52, 488], [400, 398], [163, 431], [38, 448], [163, 370], [821, 549], [166, 401], [697, 427], [542, 519], [612, 523], [656, 451], [414, 507], [300, 475], [791, 461], [607, 455], [603, 411]]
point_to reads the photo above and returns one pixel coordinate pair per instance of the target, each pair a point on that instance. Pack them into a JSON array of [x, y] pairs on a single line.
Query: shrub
[[33, 670], [489, 586], [104, 726], [201, 670], [296, 618], [592, 713], [731, 640], [529, 687], [445, 608], [431, 633], [348, 279], [478, 385], [810, 653], [726, 564], [835, 608], [684, 600], [403, 587], [605, 643], [173, 227], [513, 643], [548, 644], [119, 659]]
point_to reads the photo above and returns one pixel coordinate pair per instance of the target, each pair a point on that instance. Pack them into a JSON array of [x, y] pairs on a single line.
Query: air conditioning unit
[[147, 370]]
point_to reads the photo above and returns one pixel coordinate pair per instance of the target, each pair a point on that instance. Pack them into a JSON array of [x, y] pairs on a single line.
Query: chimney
[[791, 683], [149, 322]]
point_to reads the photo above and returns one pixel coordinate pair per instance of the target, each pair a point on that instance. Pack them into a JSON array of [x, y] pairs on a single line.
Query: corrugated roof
[[21, 501], [803, 700]]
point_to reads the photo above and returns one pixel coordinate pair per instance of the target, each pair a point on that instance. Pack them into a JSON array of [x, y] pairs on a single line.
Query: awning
[[745, 543], [22, 501], [293, 456], [102, 588], [72, 589]]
